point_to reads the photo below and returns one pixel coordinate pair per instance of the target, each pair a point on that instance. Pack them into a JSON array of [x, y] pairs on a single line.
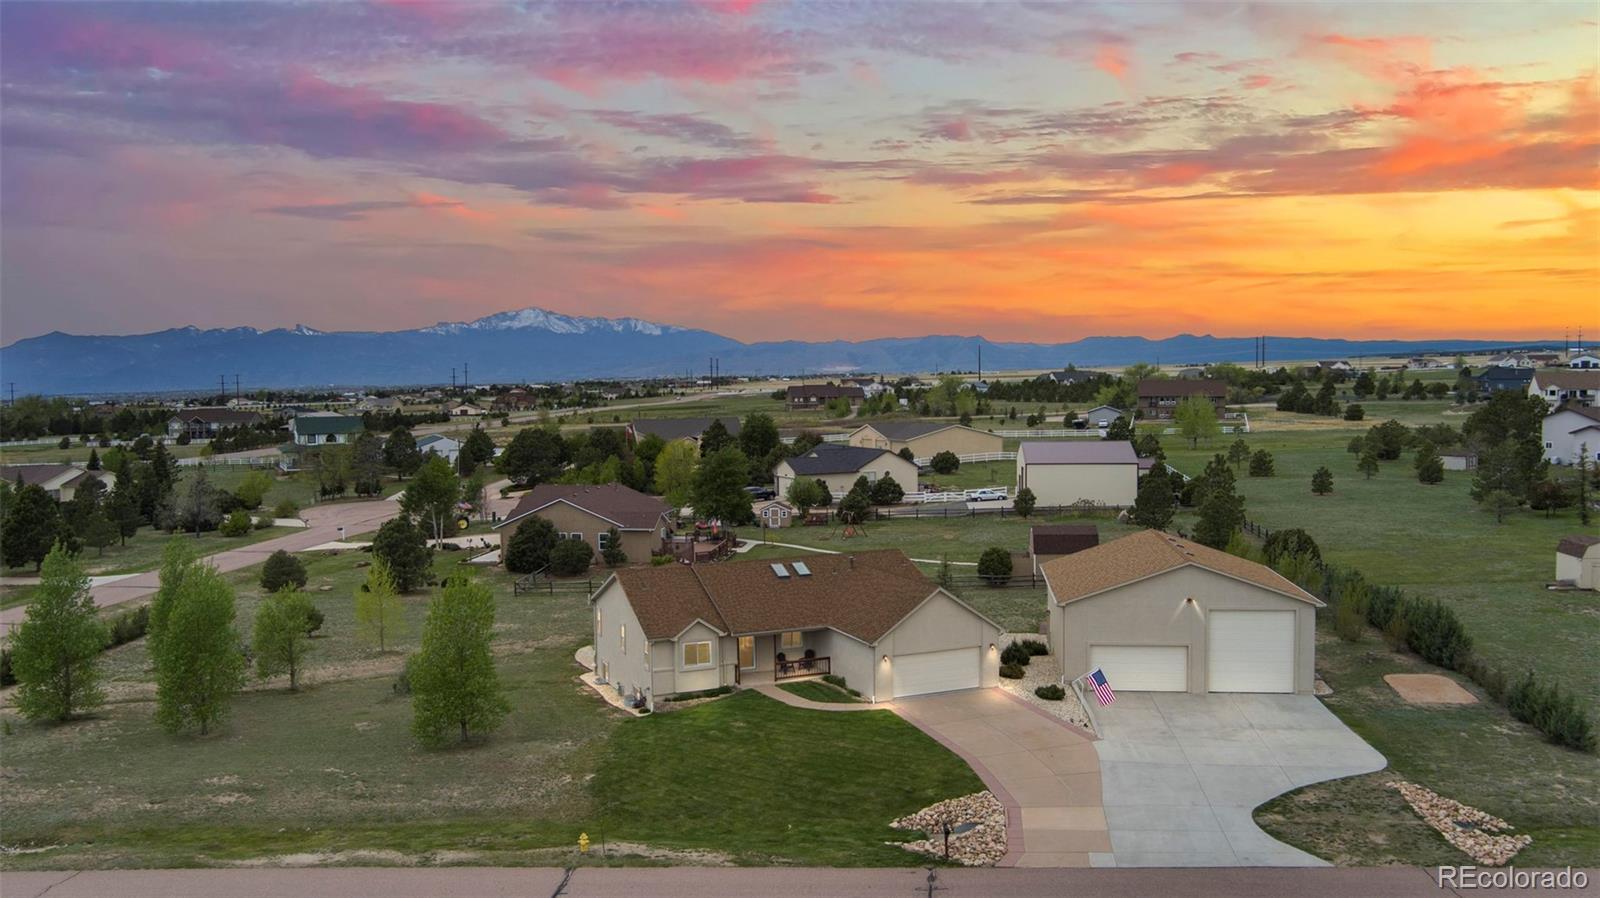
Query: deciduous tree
[[379, 613], [432, 496], [55, 651], [1196, 419], [719, 487], [675, 473], [199, 667], [280, 638], [530, 545], [454, 686]]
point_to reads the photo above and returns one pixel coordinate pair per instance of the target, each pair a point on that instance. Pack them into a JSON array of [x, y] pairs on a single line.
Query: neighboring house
[[977, 386], [1047, 542], [1545, 359], [1065, 473], [1513, 360], [871, 618], [466, 410], [204, 423], [1584, 360], [926, 438], [1191, 373], [515, 400], [804, 396], [1101, 416], [1068, 376], [379, 404], [324, 428], [1578, 561], [1565, 385], [671, 429], [1501, 377], [588, 512], [1426, 363], [775, 513], [1335, 365], [60, 481], [1461, 460], [1567, 430], [1162, 614], [440, 445], [1159, 397], [838, 466]]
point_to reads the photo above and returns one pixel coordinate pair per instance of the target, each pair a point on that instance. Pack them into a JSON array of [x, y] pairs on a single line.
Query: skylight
[[801, 569], [780, 570]]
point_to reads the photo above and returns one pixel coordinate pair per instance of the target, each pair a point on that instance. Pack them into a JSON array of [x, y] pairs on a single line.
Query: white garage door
[[1250, 651], [935, 672], [1143, 668]]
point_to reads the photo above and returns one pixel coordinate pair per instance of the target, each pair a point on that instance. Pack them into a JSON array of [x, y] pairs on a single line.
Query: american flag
[[1102, 689]]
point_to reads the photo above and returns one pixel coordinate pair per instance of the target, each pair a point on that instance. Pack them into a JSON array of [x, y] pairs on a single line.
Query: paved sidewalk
[[723, 882]]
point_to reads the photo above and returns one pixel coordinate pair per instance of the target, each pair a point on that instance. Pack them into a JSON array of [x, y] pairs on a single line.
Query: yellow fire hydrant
[[583, 843]]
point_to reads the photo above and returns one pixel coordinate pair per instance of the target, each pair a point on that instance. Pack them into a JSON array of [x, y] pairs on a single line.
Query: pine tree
[[33, 525], [1221, 514], [1153, 506], [1367, 464], [279, 638], [1430, 467], [454, 685], [400, 453], [378, 610], [401, 545], [199, 667], [55, 652], [1322, 481], [715, 438]]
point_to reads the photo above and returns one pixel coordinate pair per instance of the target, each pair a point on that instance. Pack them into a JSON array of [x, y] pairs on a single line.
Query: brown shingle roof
[[225, 417], [1167, 386], [629, 509], [1146, 554], [1063, 539], [1576, 546], [1568, 378], [40, 473], [864, 597]]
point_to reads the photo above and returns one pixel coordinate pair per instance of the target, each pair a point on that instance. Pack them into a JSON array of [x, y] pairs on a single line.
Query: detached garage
[[1163, 614]]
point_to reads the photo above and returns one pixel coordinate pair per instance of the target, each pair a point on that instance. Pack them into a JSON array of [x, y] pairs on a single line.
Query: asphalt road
[[324, 520], [703, 882]]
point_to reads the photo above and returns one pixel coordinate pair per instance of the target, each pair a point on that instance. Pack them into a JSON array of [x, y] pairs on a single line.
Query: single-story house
[[775, 513], [671, 429], [1543, 359], [1335, 365], [1047, 542], [1101, 416], [1459, 460], [871, 618], [1584, 361], [1422, 363], [1578, 561], [1511, 360], [1567, 430], [1159, 396], [1502, 377], [60, 481], [204, 423], [1191, 373], [838, 466], [321, 428], [440, 445], [1158, 613], [1566, 385], [1105, 472], [379, 404], [1068, 376], [588, 512], [818, 395], [926, 438], [466, 410]]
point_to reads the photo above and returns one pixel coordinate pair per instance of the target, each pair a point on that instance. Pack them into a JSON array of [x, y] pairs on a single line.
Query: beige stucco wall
[[1152, 612], [694, 679], [960, 440], [904, 473], [624, 666], [638, 544], [939, 624], [1066, 484]]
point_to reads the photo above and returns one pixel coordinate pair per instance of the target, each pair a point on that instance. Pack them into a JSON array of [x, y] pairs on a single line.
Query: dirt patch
[[1429, 689]]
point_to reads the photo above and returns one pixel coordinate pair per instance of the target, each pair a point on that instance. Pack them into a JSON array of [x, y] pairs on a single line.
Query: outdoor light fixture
[[885, 659], [991, 646]]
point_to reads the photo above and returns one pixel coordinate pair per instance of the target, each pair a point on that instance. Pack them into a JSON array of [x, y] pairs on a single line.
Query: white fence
[[1045, 434], [953, 495], [971, 457]]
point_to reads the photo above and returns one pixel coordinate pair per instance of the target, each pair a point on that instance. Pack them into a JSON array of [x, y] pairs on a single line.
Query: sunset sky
[[785, 170]]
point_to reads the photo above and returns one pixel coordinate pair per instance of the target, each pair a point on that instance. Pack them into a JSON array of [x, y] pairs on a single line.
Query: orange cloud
[[1112, 58]]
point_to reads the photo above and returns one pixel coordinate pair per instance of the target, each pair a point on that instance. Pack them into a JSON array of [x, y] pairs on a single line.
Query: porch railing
[[800, 667]]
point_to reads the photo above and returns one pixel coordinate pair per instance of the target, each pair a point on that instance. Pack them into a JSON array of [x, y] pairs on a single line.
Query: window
[[574, 535], [622, 638], [793, 639], [603, 538], [696, 654]]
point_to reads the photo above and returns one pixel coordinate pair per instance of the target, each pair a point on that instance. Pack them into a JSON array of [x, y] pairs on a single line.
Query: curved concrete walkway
[[797, 701]]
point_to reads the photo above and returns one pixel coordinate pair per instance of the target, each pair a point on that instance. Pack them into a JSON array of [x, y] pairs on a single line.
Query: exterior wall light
[[885, 659]]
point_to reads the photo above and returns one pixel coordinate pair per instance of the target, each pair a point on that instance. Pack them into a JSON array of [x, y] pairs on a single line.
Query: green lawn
[[787, 785], [1475, 754], [143, 551], [819, 691], [961, 538]]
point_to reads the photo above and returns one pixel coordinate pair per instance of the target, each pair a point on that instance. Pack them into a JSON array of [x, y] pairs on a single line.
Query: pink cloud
[[1113, 60]]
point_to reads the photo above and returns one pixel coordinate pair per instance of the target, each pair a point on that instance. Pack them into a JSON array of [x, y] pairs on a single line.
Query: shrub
[[530, 546], [836, 680], [1383, 606], [1261, 463], [699, 693], [1292, 541], [1354, 412], [1012, 671], [236, 524], [994, 566], [885, 491], [1435, 632], [1034, 646], [402, 683], [944, 462], [263, 522], [314, 619], [282, 569], [1051, 692], [288, 508], [1349, 618], [1491, 678], [1555, 713], [1395, 633], [128, 626], [1356, 446], [571, 557], [1016, 654], [7, 678]]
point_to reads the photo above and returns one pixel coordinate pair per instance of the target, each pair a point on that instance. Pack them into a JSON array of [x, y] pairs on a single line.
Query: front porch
[[772, 658]]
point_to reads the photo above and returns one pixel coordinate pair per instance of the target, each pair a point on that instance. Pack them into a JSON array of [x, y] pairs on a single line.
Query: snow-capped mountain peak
[[543, 319]]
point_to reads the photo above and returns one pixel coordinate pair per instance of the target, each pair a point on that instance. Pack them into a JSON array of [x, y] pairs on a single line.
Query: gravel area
[[1480, 835], [981, 846], [1043, 670]]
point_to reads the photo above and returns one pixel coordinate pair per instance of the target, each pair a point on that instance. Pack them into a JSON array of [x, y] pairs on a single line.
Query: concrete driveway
[[1181, 774], [1044, 771]]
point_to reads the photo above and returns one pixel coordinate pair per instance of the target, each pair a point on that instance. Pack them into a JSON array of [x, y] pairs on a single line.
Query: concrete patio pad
[[1181, 774], [1043, 770]]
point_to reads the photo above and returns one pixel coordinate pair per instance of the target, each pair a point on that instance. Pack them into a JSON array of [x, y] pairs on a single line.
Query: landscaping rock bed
[[1476, 833], [981, 845], [1042, 670]]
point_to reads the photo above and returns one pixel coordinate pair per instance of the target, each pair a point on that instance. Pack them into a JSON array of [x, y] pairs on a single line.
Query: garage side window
[[696, 654]]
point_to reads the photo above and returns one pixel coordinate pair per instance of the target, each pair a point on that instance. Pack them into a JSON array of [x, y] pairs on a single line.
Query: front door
[[747, 652]]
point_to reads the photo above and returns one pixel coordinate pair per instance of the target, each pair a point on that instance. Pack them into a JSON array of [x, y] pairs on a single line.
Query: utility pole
[[452, 380], [465, 379], [236, 386], [13, 387], [980, 360], [222, 388]]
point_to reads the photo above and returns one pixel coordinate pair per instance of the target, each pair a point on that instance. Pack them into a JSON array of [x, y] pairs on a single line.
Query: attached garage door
[[935, 672], [1143, 668], [1250, 651]]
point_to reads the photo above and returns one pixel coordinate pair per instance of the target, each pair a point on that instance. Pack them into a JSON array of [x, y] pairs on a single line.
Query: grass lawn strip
[[819, 691]]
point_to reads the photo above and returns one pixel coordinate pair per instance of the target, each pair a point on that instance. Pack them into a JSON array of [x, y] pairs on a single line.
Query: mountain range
[[532, 345]]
